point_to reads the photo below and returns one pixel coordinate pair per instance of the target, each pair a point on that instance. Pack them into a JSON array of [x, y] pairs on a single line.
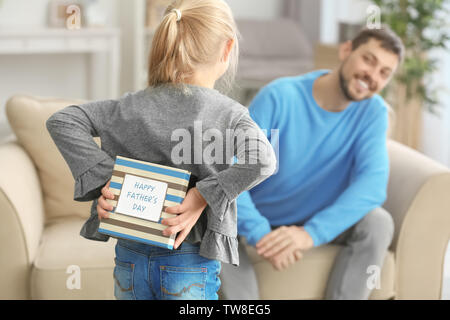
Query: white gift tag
[[142, 197]]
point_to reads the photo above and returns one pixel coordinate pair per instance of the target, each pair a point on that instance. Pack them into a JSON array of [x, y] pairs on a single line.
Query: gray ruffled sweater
[[153, 125]]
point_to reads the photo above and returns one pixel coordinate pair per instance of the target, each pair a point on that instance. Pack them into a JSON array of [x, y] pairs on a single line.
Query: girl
[[194, 46]]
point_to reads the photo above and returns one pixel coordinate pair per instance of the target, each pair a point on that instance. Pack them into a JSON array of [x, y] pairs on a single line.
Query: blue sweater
[[333, 167]]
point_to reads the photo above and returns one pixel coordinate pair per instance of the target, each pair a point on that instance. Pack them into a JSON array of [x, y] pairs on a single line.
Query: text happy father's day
[[143, 198]]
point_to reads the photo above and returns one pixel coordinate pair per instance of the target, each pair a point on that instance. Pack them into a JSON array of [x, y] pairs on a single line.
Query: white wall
[[33, 13], [255, 9], [436, 128], [436, 133], [22, 13], [334, 12], [42, 75]]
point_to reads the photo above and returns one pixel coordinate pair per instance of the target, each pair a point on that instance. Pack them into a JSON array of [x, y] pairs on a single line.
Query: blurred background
[[103, 53], [107, 56]]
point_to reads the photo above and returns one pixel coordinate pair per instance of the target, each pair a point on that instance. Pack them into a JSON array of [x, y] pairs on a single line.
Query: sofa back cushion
[[27, 116], [278, 38]]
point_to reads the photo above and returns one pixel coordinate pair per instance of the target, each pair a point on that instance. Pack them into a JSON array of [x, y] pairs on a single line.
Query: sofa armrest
[[22, 220], [419, 202]]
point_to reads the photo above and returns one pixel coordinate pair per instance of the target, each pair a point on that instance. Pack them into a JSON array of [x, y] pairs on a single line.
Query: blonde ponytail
[[190, 38]]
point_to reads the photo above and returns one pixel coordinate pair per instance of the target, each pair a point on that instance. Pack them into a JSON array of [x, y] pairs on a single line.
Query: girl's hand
[[103, 206], [188, 213]]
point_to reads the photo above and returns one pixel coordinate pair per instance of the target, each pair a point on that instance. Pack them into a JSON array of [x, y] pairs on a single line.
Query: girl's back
[[173, 126]]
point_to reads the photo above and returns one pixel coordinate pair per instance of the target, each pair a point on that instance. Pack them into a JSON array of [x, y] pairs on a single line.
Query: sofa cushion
[[62, 247], [27, 116], [307, 278]]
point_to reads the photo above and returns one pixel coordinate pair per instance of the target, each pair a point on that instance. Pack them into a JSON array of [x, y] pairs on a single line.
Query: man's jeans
[[153, 273], [364, 245]]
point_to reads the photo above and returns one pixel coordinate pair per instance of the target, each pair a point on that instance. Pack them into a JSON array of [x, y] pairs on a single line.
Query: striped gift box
[[124, 226]]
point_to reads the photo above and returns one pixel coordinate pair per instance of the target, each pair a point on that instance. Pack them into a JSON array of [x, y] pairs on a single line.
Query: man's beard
[[344, 85]]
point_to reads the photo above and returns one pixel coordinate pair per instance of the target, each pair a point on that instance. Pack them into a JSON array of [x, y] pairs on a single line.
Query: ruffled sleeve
[[216, 245], [89, 230], [73, 130], [88, 185], [220, 238], [216, 198]]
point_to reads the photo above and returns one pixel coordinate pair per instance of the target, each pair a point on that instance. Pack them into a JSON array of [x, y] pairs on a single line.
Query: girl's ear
[[344, 50], [228, 47]]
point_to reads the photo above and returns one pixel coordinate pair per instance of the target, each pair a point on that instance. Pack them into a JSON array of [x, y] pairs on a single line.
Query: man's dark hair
[[388, 38]]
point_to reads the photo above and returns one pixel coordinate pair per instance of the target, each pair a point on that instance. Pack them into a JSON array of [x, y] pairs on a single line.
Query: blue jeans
[[144, 272]]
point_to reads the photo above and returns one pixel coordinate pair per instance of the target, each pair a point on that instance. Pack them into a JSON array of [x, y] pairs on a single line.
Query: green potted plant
[[421, 24]]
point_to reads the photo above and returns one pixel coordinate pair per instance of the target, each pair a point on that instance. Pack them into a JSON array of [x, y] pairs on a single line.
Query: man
[[333, 170]]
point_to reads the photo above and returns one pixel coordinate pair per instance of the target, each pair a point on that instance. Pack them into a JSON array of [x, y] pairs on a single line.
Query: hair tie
[[178, 12]]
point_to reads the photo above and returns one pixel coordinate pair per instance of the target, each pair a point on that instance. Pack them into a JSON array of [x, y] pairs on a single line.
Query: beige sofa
[[41, 246]]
